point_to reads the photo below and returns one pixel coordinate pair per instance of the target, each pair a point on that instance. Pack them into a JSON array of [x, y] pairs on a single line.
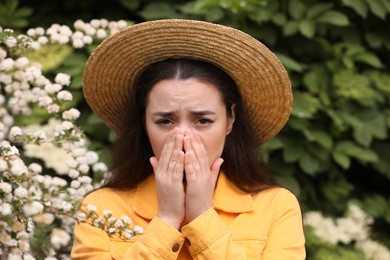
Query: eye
[[164, 122], [204, 121]]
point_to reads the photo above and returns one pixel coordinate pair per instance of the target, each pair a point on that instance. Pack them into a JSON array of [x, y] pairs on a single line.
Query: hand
[[168, 171], [201, 178]]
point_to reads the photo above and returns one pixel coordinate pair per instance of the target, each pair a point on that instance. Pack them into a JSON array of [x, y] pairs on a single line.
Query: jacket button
[[175, 247]]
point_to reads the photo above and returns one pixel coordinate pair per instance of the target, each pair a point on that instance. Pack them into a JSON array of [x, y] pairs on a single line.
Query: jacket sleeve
[[160, 241], [286, 239], [210, 238]]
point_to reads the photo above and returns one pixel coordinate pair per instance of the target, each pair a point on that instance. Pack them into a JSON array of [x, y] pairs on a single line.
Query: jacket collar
[[227, 198]]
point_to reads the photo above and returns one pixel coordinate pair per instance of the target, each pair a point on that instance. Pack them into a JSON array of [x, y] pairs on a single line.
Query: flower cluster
[[121, 228], [46, 168], [84, 35], [354, 228]]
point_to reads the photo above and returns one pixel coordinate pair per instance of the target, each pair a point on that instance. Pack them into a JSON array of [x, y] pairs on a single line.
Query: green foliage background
[[336, 148]]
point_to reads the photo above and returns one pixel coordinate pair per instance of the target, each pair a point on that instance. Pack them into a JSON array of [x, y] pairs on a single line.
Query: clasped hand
[[176, 203]]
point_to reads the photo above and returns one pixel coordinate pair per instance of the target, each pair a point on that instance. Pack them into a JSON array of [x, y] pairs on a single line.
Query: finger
[[188, 164], [215, 167], [154, 162], [179, 167], [175, 154], [166, 153], [199, 150]]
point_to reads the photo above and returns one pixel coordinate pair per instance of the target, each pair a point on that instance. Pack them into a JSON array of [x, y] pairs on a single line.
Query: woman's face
[[188, 104]]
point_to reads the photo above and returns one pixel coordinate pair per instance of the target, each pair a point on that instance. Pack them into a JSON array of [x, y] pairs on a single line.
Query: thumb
[[215, 167], [154, 162]]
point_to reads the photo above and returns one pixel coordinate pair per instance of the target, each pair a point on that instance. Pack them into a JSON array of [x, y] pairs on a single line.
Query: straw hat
[[115, 64]]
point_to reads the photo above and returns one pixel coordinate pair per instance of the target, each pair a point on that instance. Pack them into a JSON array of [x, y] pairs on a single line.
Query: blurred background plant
[[334, 151]]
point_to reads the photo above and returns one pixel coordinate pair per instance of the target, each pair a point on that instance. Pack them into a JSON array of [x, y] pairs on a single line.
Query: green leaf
[[333, 18], [377, 8], [341, 159], [296, 9], [50, 56], [305, 105], [289, 182], [290, 28], [369, 59], [320, 137], [360, 153], [279, 19], [359, 6], [318, 9], [159, 10], [289, 63], [292, 151], [307, 28], [130, 4], [308, 163]]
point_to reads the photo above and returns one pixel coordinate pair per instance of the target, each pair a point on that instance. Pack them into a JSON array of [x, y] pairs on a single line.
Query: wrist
[[174, 222]]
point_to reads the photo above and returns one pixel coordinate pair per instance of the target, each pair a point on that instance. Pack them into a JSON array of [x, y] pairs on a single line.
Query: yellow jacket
[[266, 226]]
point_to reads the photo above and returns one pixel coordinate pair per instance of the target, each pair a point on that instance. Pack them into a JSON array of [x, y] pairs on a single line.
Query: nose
[[183, 126]]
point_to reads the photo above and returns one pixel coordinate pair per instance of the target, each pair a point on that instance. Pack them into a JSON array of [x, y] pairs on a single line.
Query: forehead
[[188, 93]]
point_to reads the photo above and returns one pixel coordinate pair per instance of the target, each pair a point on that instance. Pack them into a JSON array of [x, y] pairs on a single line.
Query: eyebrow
[[194, 112]]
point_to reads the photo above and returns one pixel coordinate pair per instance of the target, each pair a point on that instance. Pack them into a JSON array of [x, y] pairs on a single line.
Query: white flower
[[3, 54], [95, 23], [77, 35], [138, 229], [5, 78], [7, 64], [112, 230], [99, 167], [35, 168], [87, 39], [42, 40], [101, 34], [35, 45], [92, 157], [21, 62], [45, 218], [85, 179], [53, 108], [129, 233], [126, 220], [15, 131], [59, 238], [5, 209], [122, 24], [83, 168], [107, 213], [63, 79], [18, 168], [373, 250], [71, 114], [21, 192], [79, 25], [33, 208], [64, 95], [45, 101], [119, 223], [52, 88], [5, 187], [3, 166], [103, 23], [65, 30], [91, 207], [72, 163], [24, 246], [53, 156], [78, 43], [73, 173], [31, 32], [75, 184], [10, 41]]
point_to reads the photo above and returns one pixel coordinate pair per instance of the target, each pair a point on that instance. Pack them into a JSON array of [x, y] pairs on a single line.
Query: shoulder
[[108, 197], [278, 199]]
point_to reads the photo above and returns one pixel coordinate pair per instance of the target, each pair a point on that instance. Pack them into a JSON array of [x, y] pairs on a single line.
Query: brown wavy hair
[[132, 150]]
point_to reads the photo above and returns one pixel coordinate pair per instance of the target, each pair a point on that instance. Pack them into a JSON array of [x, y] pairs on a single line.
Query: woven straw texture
[[114, 65]]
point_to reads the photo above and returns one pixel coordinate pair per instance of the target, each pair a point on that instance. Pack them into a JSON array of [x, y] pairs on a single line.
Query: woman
[[191, 101]]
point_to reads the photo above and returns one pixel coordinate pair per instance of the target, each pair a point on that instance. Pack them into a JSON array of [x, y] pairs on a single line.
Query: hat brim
[[114, 65]]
